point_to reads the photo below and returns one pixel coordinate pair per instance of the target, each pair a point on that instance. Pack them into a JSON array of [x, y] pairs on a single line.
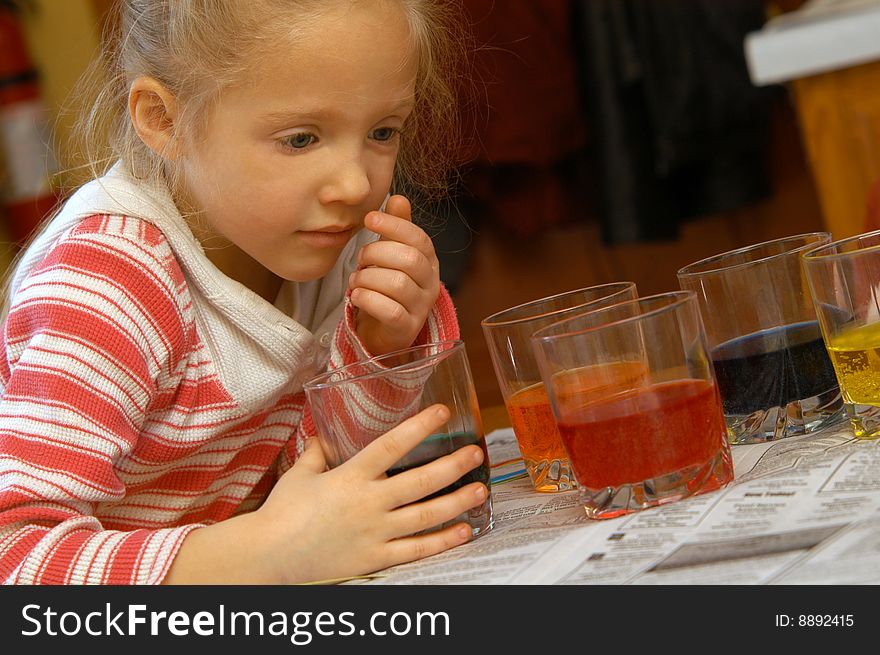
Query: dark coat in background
[[637, 112], [677, 128]]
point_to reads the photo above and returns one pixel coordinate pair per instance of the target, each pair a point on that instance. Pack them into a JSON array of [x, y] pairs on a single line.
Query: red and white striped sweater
[[144, 394]]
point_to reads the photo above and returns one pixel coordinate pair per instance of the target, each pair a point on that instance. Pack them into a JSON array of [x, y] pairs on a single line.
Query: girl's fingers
[[431, 513], [398, 205], [396, 229], [422, 481], [407, 259], [382, 308], [408, 549], [382, 453], [312, 457], [396, 285]]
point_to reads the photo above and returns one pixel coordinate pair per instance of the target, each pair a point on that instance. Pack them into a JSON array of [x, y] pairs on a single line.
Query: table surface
[[801, 510]]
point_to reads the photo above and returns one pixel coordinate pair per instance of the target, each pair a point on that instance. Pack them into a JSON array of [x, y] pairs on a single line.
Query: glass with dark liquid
[[438, 445], [353, 405], [771, 363], [654, 432]]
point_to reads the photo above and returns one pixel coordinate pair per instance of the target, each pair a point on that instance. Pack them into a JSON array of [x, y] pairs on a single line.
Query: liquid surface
[[534, 424], [856, 357], [773, 368], [438, 445], [644, 433]]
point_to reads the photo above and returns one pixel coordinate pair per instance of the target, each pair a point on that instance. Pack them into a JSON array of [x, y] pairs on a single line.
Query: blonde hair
[[196, 48]]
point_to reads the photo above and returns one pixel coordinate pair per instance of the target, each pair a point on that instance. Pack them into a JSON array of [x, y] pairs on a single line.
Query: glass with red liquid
[[507, 334], [657, 437]]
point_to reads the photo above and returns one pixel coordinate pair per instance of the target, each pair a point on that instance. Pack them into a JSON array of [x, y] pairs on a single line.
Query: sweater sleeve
[[347, 348], [90, 335]]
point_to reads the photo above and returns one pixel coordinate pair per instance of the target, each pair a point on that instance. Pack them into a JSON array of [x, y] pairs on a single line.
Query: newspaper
[[802, 510]]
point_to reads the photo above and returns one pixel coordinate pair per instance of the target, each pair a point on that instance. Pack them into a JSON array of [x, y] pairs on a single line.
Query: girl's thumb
[[312, 457]]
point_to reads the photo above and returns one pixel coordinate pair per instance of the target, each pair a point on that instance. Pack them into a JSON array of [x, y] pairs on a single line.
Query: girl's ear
[[153, 112]]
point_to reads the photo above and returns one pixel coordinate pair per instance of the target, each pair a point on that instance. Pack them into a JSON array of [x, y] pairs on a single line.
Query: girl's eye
[[299, 141], [384, 133]]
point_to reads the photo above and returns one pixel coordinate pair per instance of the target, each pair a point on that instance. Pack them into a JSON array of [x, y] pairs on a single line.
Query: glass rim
[[492, 321], [815, 253], [676, 299], [686, 272], [442, 349]]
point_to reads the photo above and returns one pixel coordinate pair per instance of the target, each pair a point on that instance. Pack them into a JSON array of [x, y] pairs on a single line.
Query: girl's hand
[[321, 525], [397, 281]]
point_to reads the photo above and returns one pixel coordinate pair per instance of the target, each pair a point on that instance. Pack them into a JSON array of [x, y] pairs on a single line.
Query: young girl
[[153, 426]]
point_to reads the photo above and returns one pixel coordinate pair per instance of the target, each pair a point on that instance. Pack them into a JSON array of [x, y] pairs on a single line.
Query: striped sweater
[[144, 393]]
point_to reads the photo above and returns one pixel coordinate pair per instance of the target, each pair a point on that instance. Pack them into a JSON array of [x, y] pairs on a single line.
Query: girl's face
[[293, 158]]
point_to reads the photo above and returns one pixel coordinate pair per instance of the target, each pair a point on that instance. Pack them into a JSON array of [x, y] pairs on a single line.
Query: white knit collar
[[117, 193]]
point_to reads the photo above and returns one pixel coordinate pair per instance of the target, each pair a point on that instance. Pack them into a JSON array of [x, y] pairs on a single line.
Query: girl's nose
[[347, 182]]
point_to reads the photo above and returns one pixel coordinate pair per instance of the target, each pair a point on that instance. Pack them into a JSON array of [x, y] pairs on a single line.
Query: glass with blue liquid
[[771, 364]]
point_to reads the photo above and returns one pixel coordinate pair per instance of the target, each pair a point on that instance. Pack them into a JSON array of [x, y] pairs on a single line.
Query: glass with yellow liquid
[[855, 354], [844, 279]]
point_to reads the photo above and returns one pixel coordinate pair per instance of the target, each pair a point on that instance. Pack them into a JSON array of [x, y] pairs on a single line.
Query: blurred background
[[617, 140]]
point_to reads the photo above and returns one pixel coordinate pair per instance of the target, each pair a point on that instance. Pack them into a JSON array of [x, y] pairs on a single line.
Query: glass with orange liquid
[[653, 435], [507, 333]]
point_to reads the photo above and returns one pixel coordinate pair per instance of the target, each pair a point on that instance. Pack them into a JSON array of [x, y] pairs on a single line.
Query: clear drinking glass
[[354, 404], [773, 371], [844, 279], [507, 333], [647, 428]]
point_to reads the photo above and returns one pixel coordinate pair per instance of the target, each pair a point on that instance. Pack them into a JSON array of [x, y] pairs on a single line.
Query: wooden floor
[[504, 272]]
